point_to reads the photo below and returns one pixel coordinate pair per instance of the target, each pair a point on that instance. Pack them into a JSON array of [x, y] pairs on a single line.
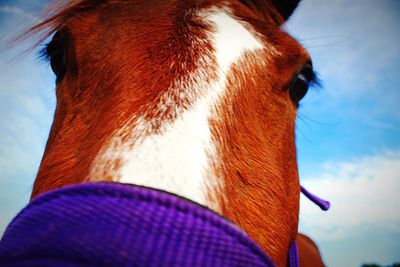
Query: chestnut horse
[[195, 97]]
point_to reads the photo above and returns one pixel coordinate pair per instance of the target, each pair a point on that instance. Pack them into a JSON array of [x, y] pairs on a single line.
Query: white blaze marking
[[179, 158]]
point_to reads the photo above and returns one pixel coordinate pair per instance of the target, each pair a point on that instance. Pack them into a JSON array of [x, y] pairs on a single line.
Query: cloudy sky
[[347, 133]]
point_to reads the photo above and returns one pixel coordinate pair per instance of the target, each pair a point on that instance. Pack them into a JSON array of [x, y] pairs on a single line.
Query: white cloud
[[27, 102], [354, 46], [364, 194], [358, 40], [18, 12]]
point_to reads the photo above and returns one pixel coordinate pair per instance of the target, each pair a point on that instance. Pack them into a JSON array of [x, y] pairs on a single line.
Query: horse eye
[[57, 55], [58, 63], [301, 83]]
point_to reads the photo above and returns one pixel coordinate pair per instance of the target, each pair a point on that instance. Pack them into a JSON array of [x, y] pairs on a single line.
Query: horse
[[194, 97]]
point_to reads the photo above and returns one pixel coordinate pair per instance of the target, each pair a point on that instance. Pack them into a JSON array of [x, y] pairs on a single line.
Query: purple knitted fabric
[[110, 224]]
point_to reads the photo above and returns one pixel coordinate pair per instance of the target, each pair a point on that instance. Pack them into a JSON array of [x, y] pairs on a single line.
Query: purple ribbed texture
[[293, 257], [109, 224]]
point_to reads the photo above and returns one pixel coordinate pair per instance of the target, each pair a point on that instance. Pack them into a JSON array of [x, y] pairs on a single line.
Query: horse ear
[[285, 7]]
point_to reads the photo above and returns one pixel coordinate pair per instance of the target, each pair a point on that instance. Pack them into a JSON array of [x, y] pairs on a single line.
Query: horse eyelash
[[44, 54], [316, 82]]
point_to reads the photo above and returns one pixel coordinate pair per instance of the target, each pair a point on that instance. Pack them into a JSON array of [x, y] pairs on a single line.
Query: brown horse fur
[[309, 254], [122, 55]]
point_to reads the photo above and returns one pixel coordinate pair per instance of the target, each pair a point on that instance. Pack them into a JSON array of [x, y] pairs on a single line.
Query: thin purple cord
[[323, 204], [293, 256]]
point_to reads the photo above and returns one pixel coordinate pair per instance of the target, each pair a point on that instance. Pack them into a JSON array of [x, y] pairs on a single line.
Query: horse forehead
[[166, 147], [160, 18], [121, 24]]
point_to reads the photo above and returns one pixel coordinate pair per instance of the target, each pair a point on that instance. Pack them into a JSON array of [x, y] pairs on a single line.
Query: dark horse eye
[[56, 52], [300, 84]]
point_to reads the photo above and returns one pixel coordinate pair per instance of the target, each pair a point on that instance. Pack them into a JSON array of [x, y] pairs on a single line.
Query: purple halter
[[293, 257], [323, 204], [110, 224]]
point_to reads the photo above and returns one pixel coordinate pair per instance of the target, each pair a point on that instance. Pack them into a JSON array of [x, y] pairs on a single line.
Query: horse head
[[197, 98]]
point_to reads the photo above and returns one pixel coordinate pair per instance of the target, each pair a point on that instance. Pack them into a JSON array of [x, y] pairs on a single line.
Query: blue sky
[[347, 133]]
